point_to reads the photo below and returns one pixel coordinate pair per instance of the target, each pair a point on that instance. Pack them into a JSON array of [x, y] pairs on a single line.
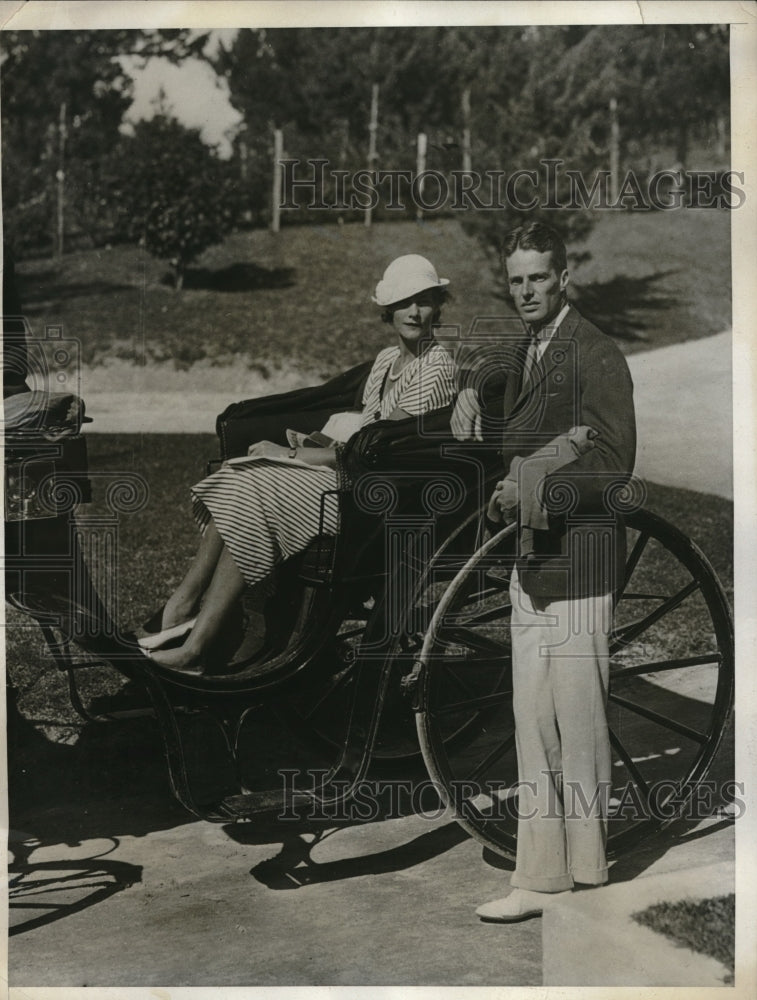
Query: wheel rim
[[671, 688], [671, 683]]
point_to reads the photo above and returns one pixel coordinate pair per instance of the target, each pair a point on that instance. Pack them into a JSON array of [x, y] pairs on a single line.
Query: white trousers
[[560, 676]]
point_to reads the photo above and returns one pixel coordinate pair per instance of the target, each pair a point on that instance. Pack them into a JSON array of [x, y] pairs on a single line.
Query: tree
[[64, 94], [670, 82], [173, 192]]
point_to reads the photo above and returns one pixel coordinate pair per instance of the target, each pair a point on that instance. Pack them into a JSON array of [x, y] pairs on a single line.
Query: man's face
[[536, 287]]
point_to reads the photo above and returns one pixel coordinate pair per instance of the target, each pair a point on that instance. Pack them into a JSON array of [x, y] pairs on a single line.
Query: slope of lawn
[[300, 300]]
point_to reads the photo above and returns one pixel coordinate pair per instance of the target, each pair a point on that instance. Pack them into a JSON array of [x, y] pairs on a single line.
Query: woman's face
[[412, 317]]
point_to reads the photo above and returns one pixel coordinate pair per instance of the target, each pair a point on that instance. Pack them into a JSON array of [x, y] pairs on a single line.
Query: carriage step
[[247, 805], [272, 802]]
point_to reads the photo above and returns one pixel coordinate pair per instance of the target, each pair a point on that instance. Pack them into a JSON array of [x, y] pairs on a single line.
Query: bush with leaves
[[64, 97], [174, 194]]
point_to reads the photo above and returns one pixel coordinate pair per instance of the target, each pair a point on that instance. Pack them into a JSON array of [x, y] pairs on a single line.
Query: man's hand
[[466, 418], [503, 505], [267, 449]]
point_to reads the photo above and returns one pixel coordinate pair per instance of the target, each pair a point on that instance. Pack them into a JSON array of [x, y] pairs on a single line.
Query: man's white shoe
[[521, 904]]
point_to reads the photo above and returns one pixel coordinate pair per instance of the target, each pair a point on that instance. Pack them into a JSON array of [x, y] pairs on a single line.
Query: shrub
[[172, 192]]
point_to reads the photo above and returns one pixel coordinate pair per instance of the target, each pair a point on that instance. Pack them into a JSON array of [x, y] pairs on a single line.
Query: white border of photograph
[[743, 19]]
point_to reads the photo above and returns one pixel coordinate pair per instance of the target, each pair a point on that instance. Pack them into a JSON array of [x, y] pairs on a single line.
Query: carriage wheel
[[671, 687]]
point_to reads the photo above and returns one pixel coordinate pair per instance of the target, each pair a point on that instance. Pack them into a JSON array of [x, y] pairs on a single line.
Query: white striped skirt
[[266, 512]]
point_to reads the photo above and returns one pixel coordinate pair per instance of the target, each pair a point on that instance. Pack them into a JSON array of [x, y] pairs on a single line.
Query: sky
[[193, 93]]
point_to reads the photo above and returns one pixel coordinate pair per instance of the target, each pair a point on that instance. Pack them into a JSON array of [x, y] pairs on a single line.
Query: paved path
[[684, 415], [683, 404], [385, 903], [390, 903]]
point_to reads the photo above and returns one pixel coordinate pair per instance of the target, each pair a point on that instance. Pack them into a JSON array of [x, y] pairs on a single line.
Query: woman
[[262, 510]]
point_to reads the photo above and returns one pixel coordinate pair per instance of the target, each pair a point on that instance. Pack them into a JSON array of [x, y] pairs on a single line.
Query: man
[[563, 374]]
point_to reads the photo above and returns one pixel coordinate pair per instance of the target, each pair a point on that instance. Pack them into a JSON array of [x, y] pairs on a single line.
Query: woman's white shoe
[[158, 639]]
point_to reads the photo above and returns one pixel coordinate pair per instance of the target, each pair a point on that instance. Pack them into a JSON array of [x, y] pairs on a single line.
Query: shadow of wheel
[[41, 893]]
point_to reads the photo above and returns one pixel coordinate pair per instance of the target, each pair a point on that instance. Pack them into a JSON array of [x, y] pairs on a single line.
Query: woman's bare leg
[[225, 587], [182, 603]]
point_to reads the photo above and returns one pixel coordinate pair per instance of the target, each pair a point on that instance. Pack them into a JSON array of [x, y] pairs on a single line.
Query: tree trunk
[[721, 136], [682, 144], [614, 151], [60, 176], [278, 156], [372, 154], [466, 131], [420, 169]]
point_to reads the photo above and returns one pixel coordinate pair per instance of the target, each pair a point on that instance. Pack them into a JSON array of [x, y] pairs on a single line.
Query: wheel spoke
[[642, 597], [474, 704], [660, 665], [469, 660], [630, 765], [352, 633], [661, 720], [458, 682], [446, 567], [493, 756], [627, 633], [480, 643], [484, 617], [635, 555], [479, 596]]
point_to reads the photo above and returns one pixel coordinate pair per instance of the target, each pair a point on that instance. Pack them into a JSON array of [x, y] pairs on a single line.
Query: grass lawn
[[706, 926], [301, 299]]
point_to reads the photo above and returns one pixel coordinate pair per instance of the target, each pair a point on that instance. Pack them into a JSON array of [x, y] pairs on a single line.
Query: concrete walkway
[[684, 415], [685, 389], [388, 903]]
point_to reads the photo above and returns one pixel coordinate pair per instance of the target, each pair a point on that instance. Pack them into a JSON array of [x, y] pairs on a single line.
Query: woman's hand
[[306, 456], [267, 449]]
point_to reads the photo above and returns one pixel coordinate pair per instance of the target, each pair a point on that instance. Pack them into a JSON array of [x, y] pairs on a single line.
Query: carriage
[[387, 648]]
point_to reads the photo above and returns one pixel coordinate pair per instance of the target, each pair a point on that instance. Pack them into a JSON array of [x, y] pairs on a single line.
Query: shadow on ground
[[241, 277], [619, 306], [294, 867], [111, 782], [39, 893], [623, 307], [40, 289]]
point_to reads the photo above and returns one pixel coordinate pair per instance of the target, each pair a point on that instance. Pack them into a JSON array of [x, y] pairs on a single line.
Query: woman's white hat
[[407, 276]]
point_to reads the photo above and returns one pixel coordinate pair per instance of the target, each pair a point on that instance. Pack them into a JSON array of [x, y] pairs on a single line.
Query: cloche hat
[[406, 276]]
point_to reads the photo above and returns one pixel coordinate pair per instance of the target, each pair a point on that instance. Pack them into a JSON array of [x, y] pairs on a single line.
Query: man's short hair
[[536, 236]]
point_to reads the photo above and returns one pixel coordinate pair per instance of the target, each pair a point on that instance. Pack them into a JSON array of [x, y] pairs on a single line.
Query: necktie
[[530, 363]]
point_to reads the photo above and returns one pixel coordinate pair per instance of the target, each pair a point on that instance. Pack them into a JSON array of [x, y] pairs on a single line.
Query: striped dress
[[266, 510]]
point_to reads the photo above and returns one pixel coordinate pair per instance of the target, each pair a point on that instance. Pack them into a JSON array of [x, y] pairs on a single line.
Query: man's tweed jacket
[[582, 378]]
